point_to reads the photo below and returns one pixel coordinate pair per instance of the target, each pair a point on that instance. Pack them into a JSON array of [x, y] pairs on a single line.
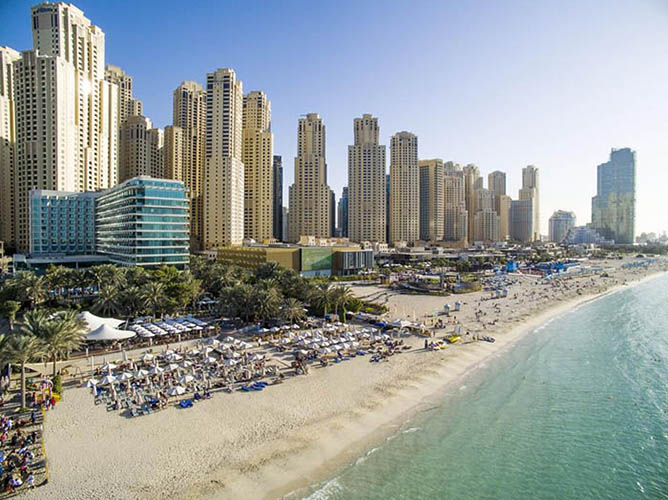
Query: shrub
[[58, 384]]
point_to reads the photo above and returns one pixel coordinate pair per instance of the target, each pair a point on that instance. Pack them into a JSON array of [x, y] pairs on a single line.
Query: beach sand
[[270, 443]]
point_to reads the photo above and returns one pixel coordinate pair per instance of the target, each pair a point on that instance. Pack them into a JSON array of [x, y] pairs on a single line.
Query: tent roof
[[106, 332], [95, 322]]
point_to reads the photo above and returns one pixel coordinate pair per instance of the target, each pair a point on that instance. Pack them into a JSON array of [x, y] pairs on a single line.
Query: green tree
[[153, 297], [8, 309], [31, 289], [106, 275], [322, 297], [342, 296], [292, 310], [108, 301], [21, 349]]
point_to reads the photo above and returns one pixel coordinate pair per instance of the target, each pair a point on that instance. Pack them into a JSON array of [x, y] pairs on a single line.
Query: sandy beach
[[271, 443]]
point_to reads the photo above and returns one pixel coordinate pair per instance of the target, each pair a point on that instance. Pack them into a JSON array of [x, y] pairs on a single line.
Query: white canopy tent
[[106, 332], [95, 322]]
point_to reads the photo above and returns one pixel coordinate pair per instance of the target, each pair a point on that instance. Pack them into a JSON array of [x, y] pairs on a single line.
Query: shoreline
[[283, 442], [427, 399]]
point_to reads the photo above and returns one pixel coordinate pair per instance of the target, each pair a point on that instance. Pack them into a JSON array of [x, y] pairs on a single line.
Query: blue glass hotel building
[[144, 222], [141, 222]]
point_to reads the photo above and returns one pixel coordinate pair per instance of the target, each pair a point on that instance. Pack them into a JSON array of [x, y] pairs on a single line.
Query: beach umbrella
[[125, 376], [186, 379], [156, 370], [186, 364], [109, 379], [106, 332], [146, 357], [194, 352], [212, 341], [92, 382], [141, 373], [207, 350], [209, 359], [256, 357], [172, 366], [229, 362], [174, 357], [176, 391], [229, 339], [108, 367]]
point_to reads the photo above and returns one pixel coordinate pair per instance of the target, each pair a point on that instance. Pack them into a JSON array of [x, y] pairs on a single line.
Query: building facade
[[190, 117], [530, 191], [472, 182], [404, 189], [7, 147], [366, 183], [224, 171], [277, 199], [432, 203], [455, 215], [486, 220], [522, 220], [144, 222], [343, 212], [310, 196], [561, 223], [142, 150], [613, 208]]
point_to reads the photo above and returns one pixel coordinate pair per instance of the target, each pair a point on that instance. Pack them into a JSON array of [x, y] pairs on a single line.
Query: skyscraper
[[343, 213], [277, 201], [366, 183], [310, 196], [66, 123], [531, 192], [613, 209], [404, 189], [522, 220], [224, 170], [561, 223], [432, 205], [258, 158], [496, 182], [189, 117], [455, 215], [7, 146], [143, 149], [472, 182], [486, 220], [332, 212]]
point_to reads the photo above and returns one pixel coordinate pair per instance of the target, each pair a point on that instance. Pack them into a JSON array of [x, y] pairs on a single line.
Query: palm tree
[[130, 301], [8, 309], [31, 288], [59, 333], [106, 274], [107, 302], [153, 296], [342, 296], [323, 297], [292, 310], [21, 349]]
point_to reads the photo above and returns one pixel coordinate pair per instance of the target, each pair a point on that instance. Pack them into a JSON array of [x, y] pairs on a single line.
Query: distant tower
[[472, 182], [455, 215], [343, 213], [432, 192], [530, 191], [278, 198], [310, 196], [224, 170], [366, 183], [613, 208], [561, 223], [143, 149], [404, 189]]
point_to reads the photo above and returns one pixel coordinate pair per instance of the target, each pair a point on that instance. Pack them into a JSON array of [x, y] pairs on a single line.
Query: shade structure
[[176, 391], [109, 379], [146, 357], [141, 373], [106, 332], [95, 322], [186, 379], [92, 382]]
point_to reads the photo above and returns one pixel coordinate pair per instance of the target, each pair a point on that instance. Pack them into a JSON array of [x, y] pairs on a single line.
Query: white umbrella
[[172, 366], [174, 357], [186, 364], [186, 379], [108, 367], [209, 359], [109, 379], [207, 350], [94, 322], [229, 339], [125, 376], [156, 370], [229, 362], [92, 382], [214, 341], [146, 357], [256, 357], [176, 391], [141, 373]]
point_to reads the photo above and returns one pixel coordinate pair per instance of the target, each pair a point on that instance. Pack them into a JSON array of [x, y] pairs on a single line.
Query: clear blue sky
[[499, 84]]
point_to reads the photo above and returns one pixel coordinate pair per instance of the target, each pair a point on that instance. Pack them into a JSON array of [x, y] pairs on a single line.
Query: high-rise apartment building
[[472, 182], [613, 209], [224, 169], [310, 196], [404, 189], [522, 220], [277, 199], [343, 212], [486, 220], [432, 204], [189, 116], [561, 222], [143, 149], [502, 206], [366, 183], [332, 212], [496, 183], [7, 146], [455, 215], [66, 119], [258, 157], [530, 191]]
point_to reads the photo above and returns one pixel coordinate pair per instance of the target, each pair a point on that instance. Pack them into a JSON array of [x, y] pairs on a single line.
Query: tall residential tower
[[404, 189]]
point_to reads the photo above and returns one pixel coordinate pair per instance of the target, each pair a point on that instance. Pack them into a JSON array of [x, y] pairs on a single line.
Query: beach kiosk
[[458, 306]]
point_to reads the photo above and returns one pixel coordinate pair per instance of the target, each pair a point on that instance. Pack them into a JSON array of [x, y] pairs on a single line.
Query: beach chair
[[134, 412]]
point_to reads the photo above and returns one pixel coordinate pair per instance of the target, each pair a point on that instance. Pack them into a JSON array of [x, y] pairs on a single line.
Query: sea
[[577, 410]]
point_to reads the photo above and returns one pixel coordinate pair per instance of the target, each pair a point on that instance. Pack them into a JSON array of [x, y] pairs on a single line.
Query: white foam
[[412, 429], [330, 488]]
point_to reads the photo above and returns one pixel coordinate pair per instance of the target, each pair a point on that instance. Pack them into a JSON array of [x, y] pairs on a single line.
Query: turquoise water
[[578, 410]]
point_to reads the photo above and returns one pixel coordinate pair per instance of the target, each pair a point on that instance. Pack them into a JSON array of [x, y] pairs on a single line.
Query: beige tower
[[472, 182], [174, 161], [455, 215], [64, 132], [530, 191], [7, 146], [224, 170], [486, 220], [257, 154], [404, 189], [496, 182], [189, 108], [502, 207], [432, 205], [310, 212], [366, 183], [128, 105], [142, 152]]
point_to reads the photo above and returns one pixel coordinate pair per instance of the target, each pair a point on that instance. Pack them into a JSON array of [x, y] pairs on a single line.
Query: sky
[[499, 84]]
